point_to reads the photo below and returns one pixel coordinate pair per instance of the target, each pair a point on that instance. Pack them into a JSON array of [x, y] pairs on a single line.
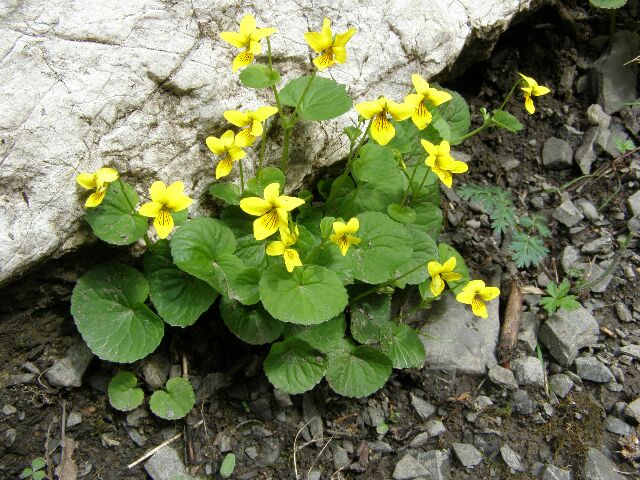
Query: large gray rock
[[433, 465], [68, 371], [566, 332], [166, 464], [468, 455], [598, 467], [557, 154], [590, 368], [616, 75], [138, 85], [455, 338], [528, 371]]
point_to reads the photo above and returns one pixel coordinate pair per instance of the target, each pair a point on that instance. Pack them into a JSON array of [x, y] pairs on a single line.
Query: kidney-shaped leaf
[[324, 98], [108, 307], [358, 372], [294, 366], [252, 324], [175, 402], [124, 394], [402, 345]]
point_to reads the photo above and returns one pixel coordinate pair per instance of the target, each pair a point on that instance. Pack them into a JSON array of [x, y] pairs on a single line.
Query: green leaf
[[563, 288], [198, 248], [375, 164], [108, 307], [114, 220], [251, 324], [386, 246], [536, 222], [307, 296], [406, 140], [259, 76], [353, 133], [227, 192], [26, 473], [496, 201], [425, 186], [239, 222], [250, 251], [294, 366], [608, 3], [40, 475], [326, 226], [324, 99], [401, 214], [507, 121], [527, 250], [331, 258], [402, 345], [124, 394], [175, 402], [178, 297], [267, 176], [429, 216], [359, 372], [456, 113], [425, 250], [38, 463], [323, 336], [368, 316], [228, 465]]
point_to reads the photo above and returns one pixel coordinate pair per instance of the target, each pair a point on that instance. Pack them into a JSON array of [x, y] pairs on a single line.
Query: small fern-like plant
[[558, 297], [527, 245]]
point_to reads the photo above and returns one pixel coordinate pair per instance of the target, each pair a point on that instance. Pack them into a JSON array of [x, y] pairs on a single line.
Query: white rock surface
[[138, 84]]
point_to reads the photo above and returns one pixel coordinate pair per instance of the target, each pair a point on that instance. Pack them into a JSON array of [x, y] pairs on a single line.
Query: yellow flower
[[248, 37], [421, 116], [342, 236], [251, 119], [225, 145], [100, 180], [475, 293], [440, 273], [381, 129], [291, 257], [272, 210], [164, 200], [534, 89], [332, 50], [441, 162]]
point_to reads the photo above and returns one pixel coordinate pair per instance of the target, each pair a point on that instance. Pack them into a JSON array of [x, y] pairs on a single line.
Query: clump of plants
[[313, 273]]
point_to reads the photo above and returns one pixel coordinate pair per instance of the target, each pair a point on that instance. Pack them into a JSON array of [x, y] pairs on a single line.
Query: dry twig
[[510, 325]]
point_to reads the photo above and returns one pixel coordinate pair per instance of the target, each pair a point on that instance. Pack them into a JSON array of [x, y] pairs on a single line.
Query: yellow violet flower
[[100, 180], [281, 247], [441, 161], [225, 145], [475, 293], [440, 273], [332, 50], [421, 116], [248, 37], [342, 236], [164, 200], [251, 119], [532, 89], [272, 210], [381, 129]]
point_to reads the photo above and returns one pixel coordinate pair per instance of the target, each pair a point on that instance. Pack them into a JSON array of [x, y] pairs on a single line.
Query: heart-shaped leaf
[[359, 372], [175, 402], [402, 345], [124, 394], [324, 99], [252, 324], [259, 76], [294, 366]]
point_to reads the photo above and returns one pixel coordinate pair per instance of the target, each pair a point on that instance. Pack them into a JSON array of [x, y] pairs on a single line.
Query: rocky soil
[[569, 409]]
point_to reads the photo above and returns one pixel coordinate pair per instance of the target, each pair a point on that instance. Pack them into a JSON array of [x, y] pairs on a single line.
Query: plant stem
[[474, 132], [517, 82], [125, 194], [406, 192], [262, 148], [295, 115], [241, 176], [284, 161], [147, 240], [355, 152], [424, 179], [385, 284]]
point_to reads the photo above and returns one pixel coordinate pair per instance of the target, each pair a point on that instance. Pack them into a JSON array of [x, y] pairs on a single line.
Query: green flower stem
[[147, 240], [284, 161], [366, 293], [124, 193], [294, 118], [240, 170], [424, 179], [263, 143], [354, 154], [284, 120], [517, 82], [406, 192]]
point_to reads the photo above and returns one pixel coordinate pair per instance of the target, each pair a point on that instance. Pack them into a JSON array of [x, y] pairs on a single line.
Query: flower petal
[[528, 80], [228, 138], [317, 41], [430, 148], [106, 175], [444, 148], [420, 84], [254, 47], [256, 128], [216, 145], [449, 265], [288, 203], [437, 97], [271, 193], [528, 104], [275, 248], [291, 259], [434, 269], [437, 285], [163, 223], [95, 198], [179, 202], [150, 209], [342, 38], [465, 296], [339, 228], [369, 109], [244, 138], [247, 25], [236, 153], [381, 129], [353, 225], [234, 38], [86, 180], [444, 175], [158, 192], [451, 276], [266, 225], [262, 113], [354, 240], [255, 206], [489, 293], [399, 111], [237, 118], [324, 61], [261, 33], [479, 308], [343, 243], [421, 116], [539, 90], [224, 167], [242, 60]]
